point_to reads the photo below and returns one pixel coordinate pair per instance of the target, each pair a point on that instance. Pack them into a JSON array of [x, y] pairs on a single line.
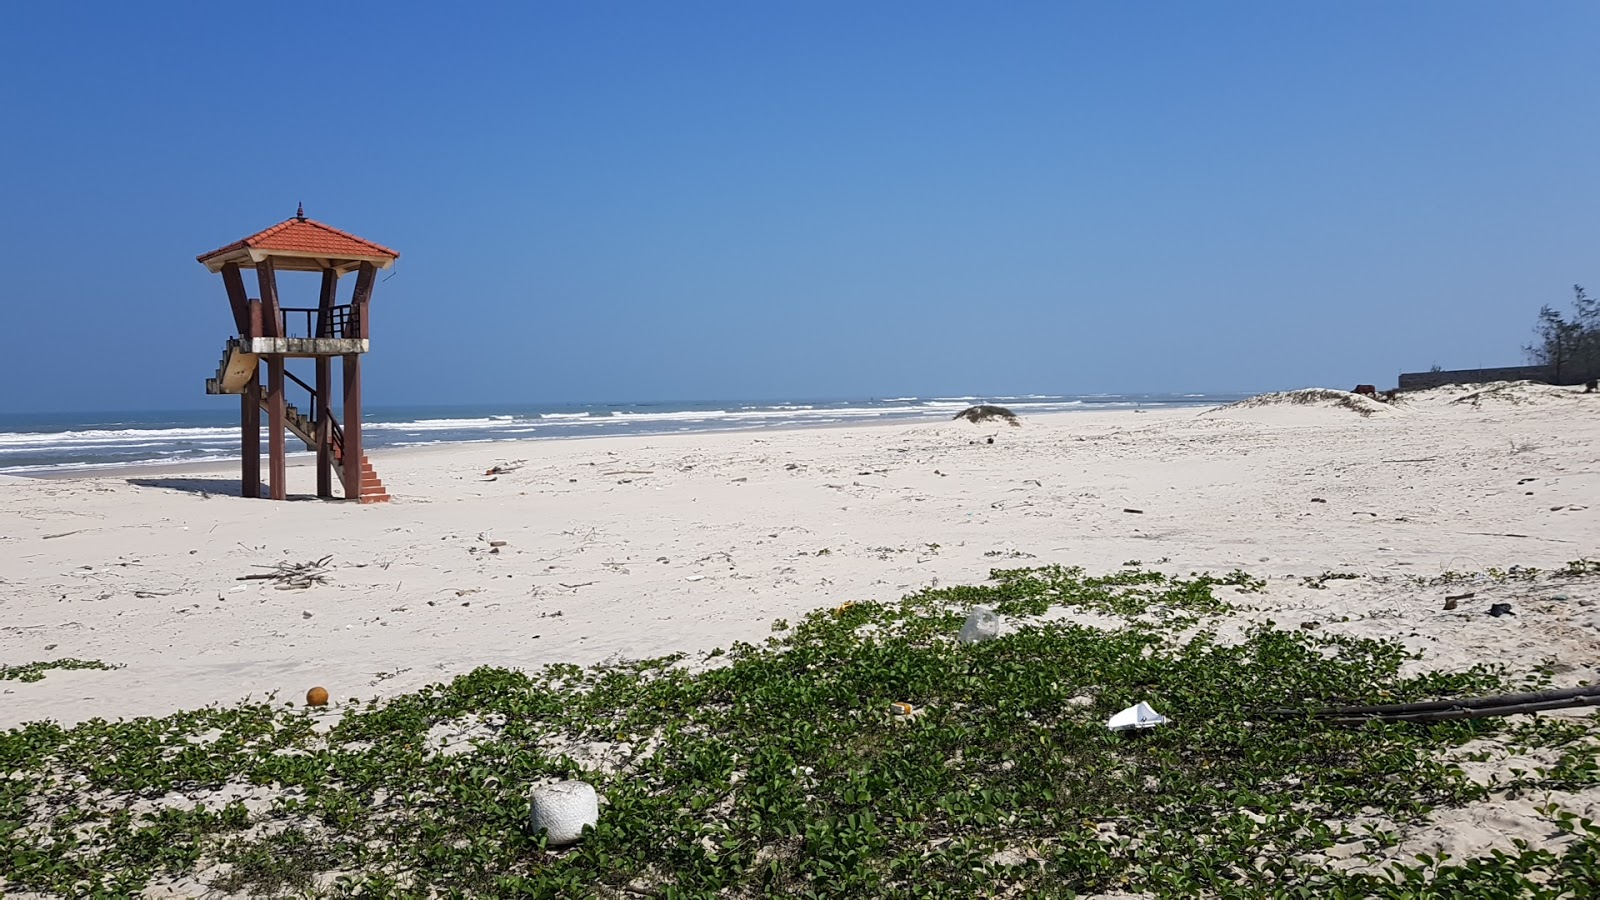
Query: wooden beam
[[277, 459], [237, 298], [250, 437], [365, 278], [267, 278], [326, 300], [313, 260], [352, 458], [295, 261]]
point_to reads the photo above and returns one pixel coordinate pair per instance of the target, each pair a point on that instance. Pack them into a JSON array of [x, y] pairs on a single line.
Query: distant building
[[1416, 381]]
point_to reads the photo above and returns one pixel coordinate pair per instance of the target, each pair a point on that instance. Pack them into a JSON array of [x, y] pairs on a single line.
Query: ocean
[[54, 443]]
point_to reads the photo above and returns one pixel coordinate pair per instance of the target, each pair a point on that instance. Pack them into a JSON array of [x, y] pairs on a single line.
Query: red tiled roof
[[300, 235]]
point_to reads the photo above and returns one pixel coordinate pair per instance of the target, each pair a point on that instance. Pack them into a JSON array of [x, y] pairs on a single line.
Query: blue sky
[[632, 201]]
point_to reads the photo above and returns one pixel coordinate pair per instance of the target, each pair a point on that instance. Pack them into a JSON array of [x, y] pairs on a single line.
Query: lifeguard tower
[[274, 334]]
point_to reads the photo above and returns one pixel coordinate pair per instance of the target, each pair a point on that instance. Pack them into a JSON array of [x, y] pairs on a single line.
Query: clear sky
[[631, 201]]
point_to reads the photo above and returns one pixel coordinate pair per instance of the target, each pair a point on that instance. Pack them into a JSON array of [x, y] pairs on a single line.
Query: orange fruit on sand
[[317, 696]]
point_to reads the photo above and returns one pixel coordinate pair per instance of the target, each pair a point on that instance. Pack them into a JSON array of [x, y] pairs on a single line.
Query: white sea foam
[[436, 424], [670, 416], [1054, 404], [485, 440], [34, 450], [110, 436], [131, 445]]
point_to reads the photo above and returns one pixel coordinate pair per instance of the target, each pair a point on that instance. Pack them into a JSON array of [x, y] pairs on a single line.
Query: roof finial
[[300, 211]]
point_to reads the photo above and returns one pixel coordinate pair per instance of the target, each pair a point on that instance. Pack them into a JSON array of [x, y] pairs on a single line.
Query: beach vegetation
[[987, 412], [1568, 343], [35, 671], [1577, 568], [1325, 397], [1320, 582], [782, 768]]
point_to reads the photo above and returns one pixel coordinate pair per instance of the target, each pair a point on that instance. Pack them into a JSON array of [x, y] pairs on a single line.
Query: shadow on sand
[[219, 486]]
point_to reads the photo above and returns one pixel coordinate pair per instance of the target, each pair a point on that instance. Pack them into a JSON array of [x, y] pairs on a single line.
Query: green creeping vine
[[783, 772], [34, 671]]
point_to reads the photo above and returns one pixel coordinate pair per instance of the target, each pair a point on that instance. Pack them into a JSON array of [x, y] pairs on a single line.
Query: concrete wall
[[1416, 381]]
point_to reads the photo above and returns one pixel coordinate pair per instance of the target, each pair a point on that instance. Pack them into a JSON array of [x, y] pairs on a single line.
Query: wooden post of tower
[[250, 436], [354, 458], [250, 397], [323, 414], [273, 334], [352, 454], [277, 459]]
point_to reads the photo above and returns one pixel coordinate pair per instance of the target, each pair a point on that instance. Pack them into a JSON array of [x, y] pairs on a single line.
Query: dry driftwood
[[983, 412], [293, 576]]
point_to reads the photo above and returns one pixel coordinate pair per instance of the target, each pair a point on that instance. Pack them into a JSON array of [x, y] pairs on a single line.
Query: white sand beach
[[623, 548], [635, 547]]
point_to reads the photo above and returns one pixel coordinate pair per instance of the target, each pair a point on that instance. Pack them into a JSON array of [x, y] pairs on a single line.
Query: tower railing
[[316, 322]]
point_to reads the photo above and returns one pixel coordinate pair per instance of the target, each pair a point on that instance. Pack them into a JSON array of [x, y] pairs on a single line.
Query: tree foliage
[[1569, 343]]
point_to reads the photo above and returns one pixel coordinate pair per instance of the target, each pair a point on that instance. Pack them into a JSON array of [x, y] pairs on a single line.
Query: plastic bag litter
[[982, 625], [1140, 715]]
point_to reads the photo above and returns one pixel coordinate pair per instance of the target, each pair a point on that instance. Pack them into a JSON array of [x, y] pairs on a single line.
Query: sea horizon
[[53, 443]]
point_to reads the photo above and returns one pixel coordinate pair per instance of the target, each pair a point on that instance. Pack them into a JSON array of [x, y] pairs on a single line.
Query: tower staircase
[[233, 376]]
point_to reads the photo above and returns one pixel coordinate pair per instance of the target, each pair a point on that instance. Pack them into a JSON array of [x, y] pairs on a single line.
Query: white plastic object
[[1140, 715], [562, 809], [982, 625]]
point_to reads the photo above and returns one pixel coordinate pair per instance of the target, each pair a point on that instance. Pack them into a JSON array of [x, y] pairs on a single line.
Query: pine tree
[[1569, 346]]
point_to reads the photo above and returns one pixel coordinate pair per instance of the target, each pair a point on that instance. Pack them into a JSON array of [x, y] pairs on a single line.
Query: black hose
[[1459, 708], [1476, 712]]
